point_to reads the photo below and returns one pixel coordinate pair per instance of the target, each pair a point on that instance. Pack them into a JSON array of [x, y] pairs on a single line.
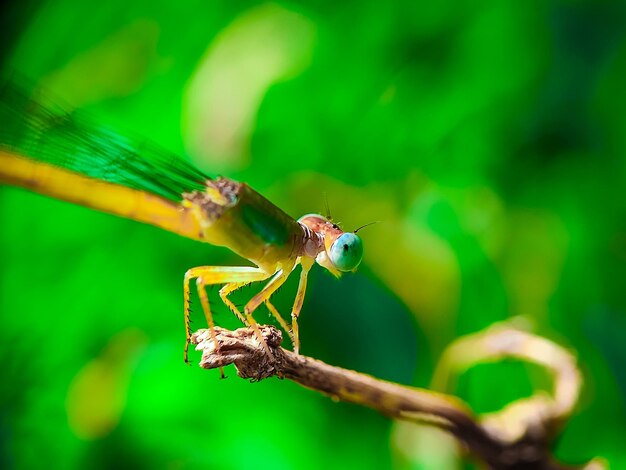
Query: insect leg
[[279, 317], [207, 275], [226, 291], [265, 294], [307, 263], [229, 288]]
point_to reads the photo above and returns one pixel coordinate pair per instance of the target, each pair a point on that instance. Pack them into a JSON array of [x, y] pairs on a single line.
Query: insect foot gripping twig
[[243, 348]]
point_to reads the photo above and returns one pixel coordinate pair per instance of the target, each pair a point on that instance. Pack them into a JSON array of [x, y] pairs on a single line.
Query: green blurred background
[[487, 137]]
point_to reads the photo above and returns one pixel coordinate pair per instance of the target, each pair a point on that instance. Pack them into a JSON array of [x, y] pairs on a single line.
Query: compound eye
[[346, 252]]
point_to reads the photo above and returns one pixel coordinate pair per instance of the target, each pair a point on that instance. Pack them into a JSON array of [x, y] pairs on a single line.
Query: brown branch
[[541, 414], [490, 443]]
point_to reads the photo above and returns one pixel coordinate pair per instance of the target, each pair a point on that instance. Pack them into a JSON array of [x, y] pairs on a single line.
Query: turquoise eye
[[346, 252]]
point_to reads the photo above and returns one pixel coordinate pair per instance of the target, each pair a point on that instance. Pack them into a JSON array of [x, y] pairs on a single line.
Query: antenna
[[366, 225], [328, 214]]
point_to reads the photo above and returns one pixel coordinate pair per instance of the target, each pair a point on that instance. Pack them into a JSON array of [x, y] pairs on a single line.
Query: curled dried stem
[[488, 439]]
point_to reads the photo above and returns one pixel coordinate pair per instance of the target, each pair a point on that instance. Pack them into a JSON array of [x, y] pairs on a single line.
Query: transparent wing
[[36, 125]]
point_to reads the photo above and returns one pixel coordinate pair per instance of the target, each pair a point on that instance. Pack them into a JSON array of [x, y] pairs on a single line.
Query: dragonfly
[[47, 147]]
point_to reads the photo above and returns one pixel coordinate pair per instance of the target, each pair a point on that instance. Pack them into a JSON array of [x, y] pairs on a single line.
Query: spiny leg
[[229, 288], [204, 301], [208, 275], [263, 296], [272, 286], [226, 291], [279, 317], [298, 301], [274, 311]]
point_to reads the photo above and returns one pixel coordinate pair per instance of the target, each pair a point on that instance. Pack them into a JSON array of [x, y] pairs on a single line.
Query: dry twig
[[518, 437]]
